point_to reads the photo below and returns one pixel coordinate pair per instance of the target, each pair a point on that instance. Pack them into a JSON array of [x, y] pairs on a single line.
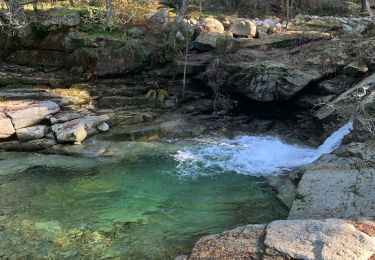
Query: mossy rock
[[270, 81]]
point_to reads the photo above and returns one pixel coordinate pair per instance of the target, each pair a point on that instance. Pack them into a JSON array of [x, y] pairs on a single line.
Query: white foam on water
[[253, 155]]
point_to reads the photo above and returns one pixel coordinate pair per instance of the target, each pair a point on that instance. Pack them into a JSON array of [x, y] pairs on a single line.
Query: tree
[[368, 7], [179, 23]]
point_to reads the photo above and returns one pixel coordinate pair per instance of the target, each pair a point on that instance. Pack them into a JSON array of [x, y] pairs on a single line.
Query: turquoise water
[[141, 200], [145, 208]]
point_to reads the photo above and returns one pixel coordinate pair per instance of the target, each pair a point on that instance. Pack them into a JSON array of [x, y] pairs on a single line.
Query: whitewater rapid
[[253, 155]]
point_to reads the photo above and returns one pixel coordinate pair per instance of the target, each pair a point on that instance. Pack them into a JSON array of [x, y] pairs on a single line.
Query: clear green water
[[58, 207]]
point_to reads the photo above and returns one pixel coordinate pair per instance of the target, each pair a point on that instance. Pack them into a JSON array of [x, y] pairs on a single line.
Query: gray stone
[[338, 185], [103, 127], [33, 145], [24, 114], [31, 133], [78, 129], [70, 132], [355, 69], [160, 16], [244, 28], [38, 58], [240, 243], [342, 108], [209, 41], [318, 239], [6, 126], [64, 117], [211, 25], [270, 81], [333, 239], [49, 21]]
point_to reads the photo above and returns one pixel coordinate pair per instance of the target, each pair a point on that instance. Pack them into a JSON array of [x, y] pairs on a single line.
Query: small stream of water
[[153, 205]]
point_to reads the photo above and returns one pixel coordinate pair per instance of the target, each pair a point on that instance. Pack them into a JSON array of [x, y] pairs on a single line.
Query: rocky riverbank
[[62, 83]]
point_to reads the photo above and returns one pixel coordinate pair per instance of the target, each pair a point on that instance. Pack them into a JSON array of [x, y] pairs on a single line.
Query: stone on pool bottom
[[135, 210]]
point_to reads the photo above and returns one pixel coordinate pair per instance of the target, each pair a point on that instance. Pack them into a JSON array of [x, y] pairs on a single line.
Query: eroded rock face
[[341, 108], [288, 239], [77, 130], [32, 145], [318, 239], [31, 133], [6, 126], [28, 113], [49, 21], [338, 185], [244, 27], [31, 122], [270, 81], [38, 58]]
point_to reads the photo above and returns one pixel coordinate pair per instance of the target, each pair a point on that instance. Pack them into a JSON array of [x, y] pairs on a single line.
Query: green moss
[[300, 197], [37, 33]]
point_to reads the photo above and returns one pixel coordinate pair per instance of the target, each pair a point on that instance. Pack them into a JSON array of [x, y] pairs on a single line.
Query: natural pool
[[153, 203]]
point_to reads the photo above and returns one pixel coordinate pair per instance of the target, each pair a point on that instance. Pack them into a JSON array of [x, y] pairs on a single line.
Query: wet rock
[[6, 126], [31, 133], [25, 113], [244, 242], [48, 231], [270, 81], [243, 27]]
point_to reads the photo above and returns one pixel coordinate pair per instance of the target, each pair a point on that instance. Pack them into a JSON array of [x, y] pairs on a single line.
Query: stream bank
[[300, 84]]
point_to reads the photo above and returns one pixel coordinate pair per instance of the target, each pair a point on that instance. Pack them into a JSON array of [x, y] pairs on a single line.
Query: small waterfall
[[252, 155]]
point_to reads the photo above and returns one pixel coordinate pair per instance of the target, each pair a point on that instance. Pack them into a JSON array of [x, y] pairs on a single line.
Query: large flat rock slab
[[6, 126], [333, 239], [240, 243], [338, 185], [318, 239], [27, 113]]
